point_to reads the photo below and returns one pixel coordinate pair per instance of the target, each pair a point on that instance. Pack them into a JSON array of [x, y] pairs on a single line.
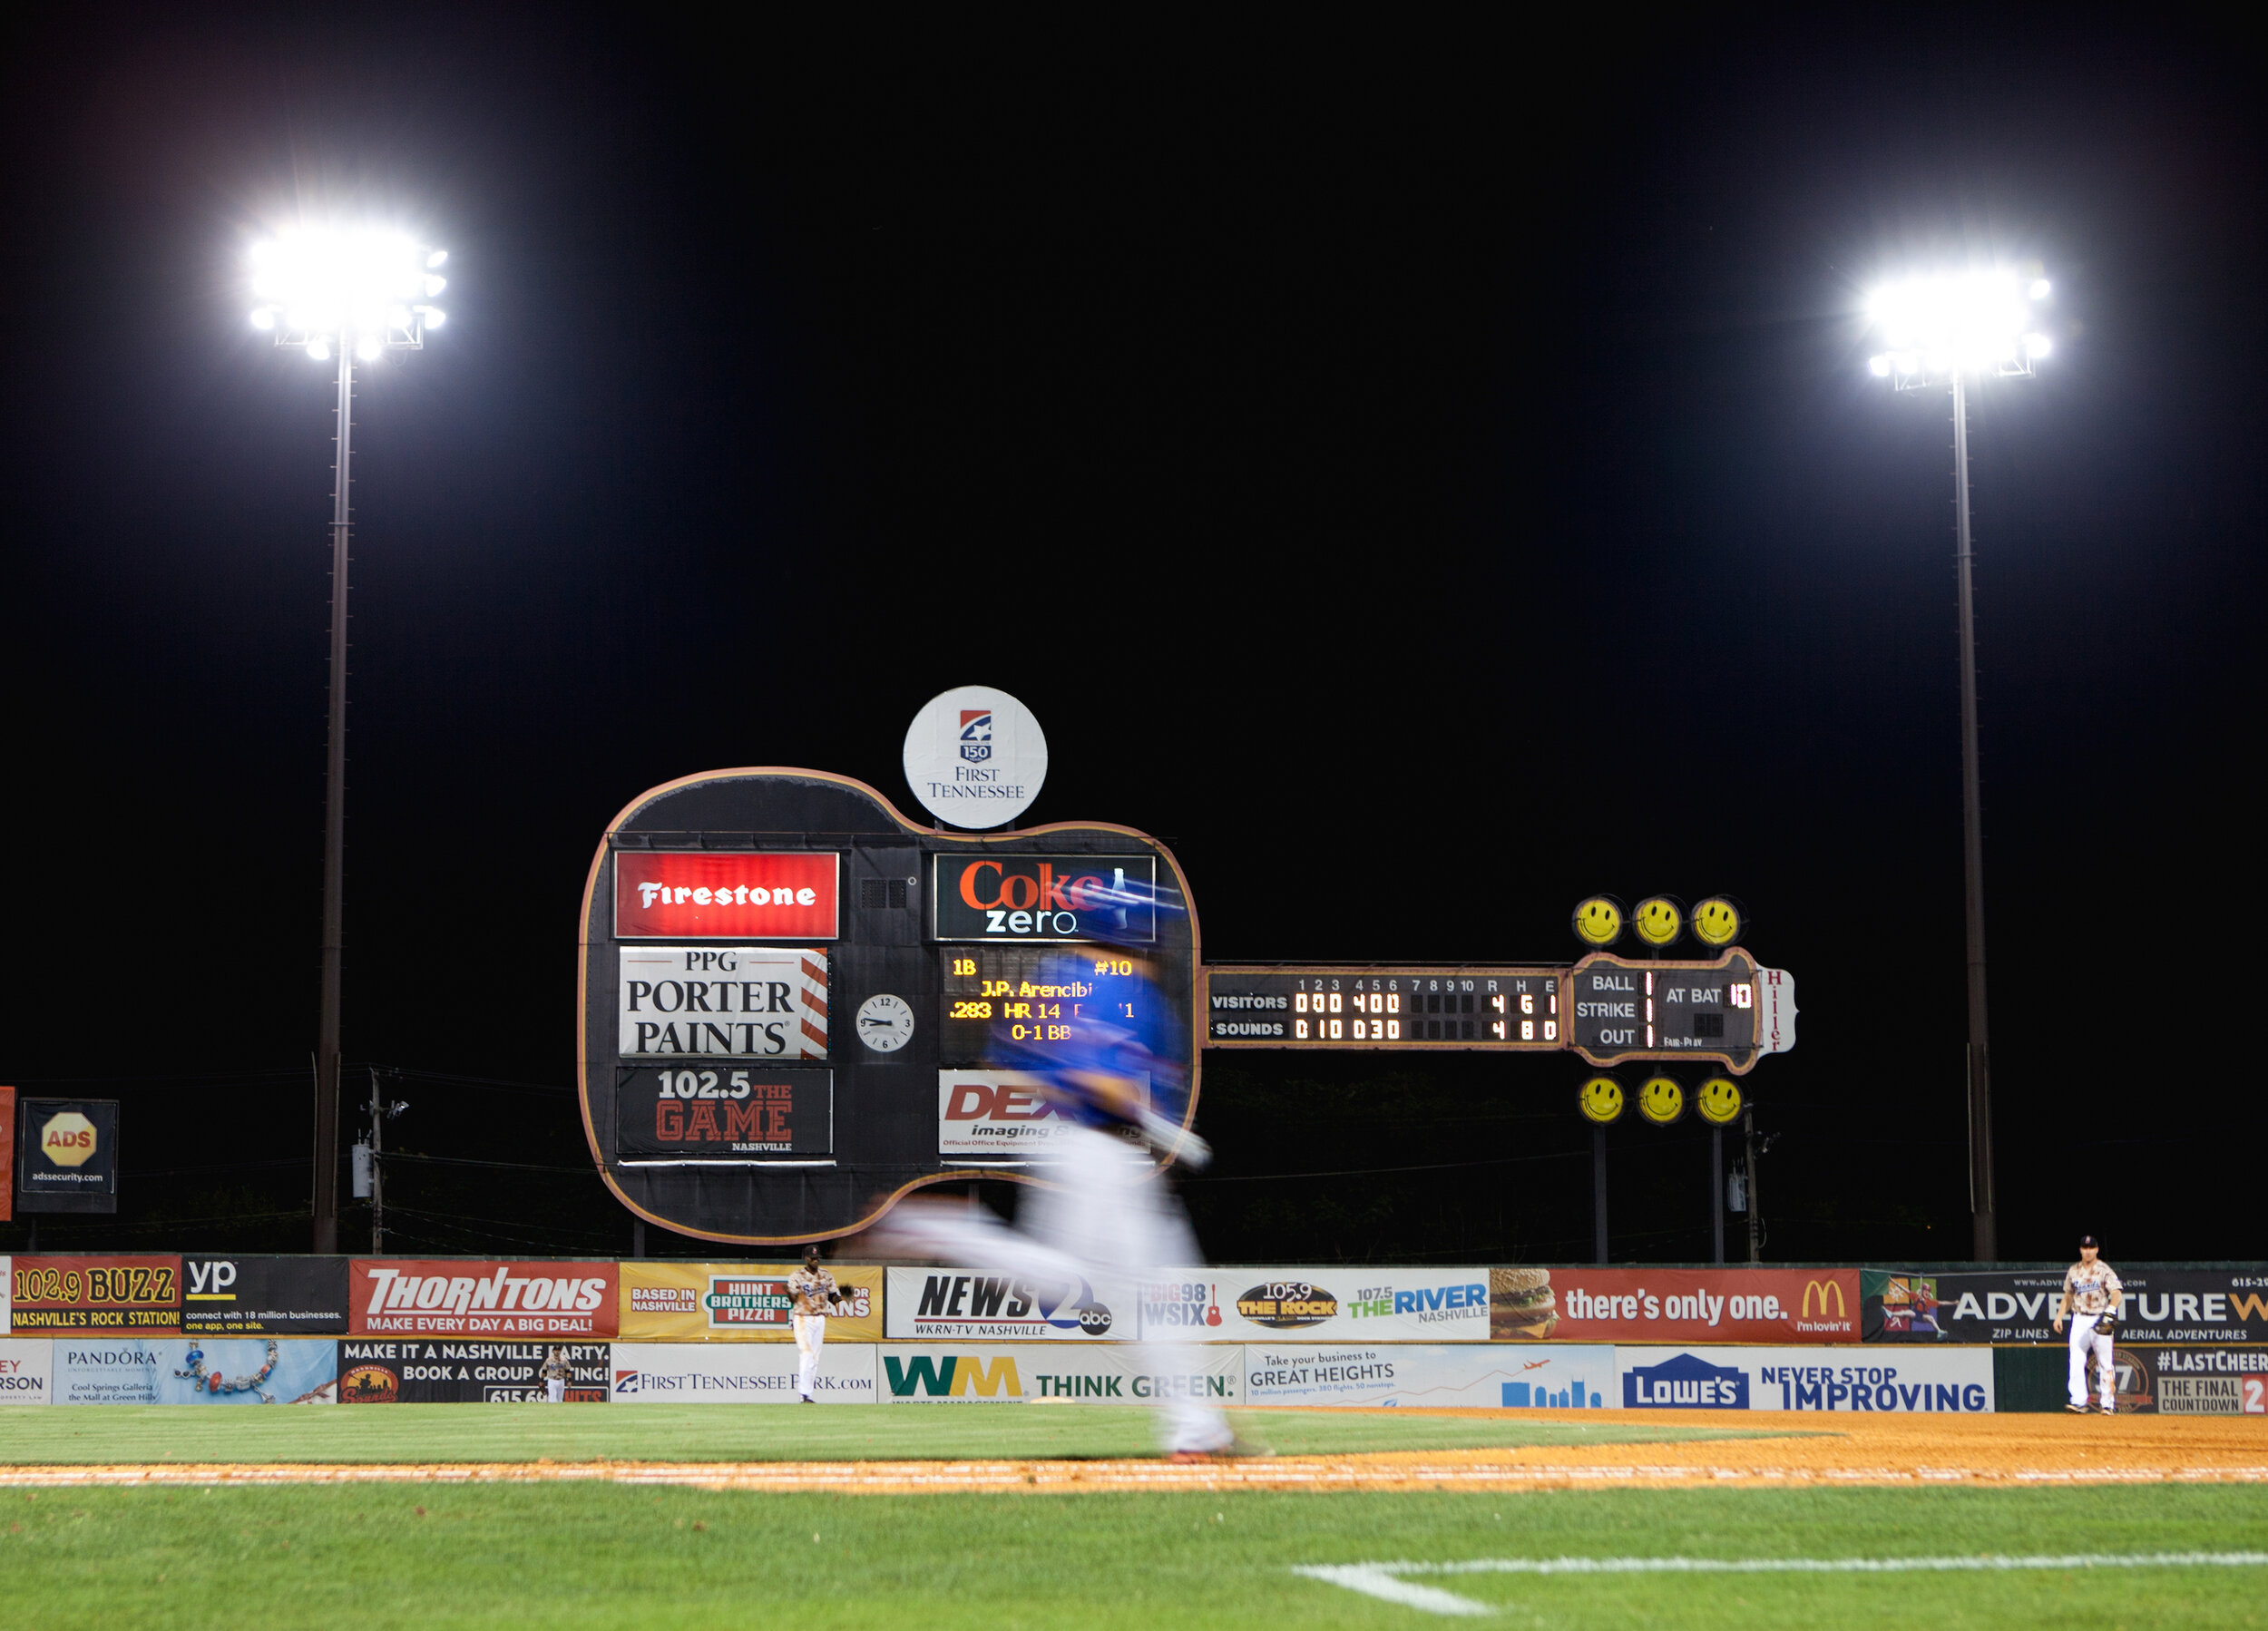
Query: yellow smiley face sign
[[1658, 920], [1600, 1101], [1661, 1100], [1716, 923], [1718, 1100], [1599, 921]]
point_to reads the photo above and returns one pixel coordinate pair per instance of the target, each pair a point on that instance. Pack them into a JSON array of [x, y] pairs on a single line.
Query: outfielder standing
[[555, 1372], [2092, 1296], [815, 1292]]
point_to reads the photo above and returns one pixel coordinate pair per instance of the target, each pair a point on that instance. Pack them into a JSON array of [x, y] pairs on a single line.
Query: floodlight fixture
[[1980, 324], [361, 292], [355, 288], [1943, 331]]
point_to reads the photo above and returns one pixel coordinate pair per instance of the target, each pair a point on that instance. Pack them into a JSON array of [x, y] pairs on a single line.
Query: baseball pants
[[555, 1390], [2083, 1341], [810, 1337], [1102, 1217]]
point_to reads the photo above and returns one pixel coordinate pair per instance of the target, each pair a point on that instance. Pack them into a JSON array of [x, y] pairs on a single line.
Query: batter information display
[[1028, 998], [1445, 1007], [1623, 1007]]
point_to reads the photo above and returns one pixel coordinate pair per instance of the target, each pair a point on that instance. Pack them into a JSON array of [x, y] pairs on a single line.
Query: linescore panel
[[1513, 1008]]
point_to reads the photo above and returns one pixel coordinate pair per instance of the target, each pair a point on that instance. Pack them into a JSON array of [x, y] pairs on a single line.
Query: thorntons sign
[[396, 1296]]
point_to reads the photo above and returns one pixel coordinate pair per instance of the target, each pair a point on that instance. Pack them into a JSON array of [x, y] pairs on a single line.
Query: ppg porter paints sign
[[736, 1001], [975, 756]]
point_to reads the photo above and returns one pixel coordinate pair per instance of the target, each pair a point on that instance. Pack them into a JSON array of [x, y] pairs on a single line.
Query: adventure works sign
[[2019, 1305]]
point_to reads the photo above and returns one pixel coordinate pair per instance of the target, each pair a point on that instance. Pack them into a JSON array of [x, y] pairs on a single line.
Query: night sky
[[1425, 478]]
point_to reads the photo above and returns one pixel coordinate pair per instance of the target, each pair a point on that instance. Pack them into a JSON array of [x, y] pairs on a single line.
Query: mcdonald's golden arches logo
[[1827, 1289]]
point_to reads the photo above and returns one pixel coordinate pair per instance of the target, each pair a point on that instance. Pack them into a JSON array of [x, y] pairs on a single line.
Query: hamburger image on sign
[[1522, 1307]]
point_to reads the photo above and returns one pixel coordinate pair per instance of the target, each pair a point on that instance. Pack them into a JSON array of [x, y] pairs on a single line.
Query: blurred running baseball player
[[814, 1292], [1104, 1213], [2092, 1296]]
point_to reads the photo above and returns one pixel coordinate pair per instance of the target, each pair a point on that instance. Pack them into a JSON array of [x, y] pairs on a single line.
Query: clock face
[[885, 1023]]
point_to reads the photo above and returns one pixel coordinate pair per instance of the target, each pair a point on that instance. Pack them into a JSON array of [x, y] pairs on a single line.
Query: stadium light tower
[[1941, 330], [360, 292]]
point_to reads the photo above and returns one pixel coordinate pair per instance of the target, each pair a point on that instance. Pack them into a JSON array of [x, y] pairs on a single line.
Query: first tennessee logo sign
[[976, 733], [1046, 897]]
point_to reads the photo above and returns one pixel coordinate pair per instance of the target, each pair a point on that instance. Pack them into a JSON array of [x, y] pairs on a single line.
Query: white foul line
[[1383, 1581]]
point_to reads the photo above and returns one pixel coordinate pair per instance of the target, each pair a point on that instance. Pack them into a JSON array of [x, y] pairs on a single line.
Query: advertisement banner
[[1213, 1305], [66, 1157], [2191, 1382], [1674, 1305], [695, 1373], [723, 1112], [445, 1373], [1110, 898], [405, 1297], [7, 1287], [95, 1296], [2019, 1305], [946, 1305], [1321, 1305], [1956, 1381], [1022, 1373], [194, 1371], [997, 1115], [26, 1369], [726, 1003], [705, 895], [263, 1296], [670, 1302], [1567, 1376]]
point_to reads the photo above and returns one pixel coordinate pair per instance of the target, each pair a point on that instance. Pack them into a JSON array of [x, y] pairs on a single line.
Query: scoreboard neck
[[1604, 1007]]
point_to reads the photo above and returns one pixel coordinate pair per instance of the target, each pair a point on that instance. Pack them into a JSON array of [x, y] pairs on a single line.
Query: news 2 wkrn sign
[[67, 1155], [1046, 897]]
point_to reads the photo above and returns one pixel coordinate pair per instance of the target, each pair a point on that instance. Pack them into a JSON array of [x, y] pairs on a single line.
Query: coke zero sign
[[1046, 897]]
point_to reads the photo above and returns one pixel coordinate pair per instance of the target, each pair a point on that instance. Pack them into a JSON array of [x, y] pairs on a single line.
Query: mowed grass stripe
[[68, 1435], [611, 1558]]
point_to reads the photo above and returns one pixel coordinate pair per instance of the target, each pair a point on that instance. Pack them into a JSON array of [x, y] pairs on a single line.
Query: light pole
[[361, 292], [1941, 330]]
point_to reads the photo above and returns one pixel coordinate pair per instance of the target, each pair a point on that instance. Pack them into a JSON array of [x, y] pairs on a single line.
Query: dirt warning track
[[1998, 1452]]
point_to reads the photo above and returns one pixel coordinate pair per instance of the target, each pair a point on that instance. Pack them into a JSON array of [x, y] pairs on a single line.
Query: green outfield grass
[[614, 1559], [726, 1433]]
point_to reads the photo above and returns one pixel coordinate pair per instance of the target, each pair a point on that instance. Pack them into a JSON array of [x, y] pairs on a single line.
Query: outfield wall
[[1947, 1380]]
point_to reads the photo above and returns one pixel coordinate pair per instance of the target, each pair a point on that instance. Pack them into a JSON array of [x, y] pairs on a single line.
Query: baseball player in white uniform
[[815, 1292], [2092, 1296]]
